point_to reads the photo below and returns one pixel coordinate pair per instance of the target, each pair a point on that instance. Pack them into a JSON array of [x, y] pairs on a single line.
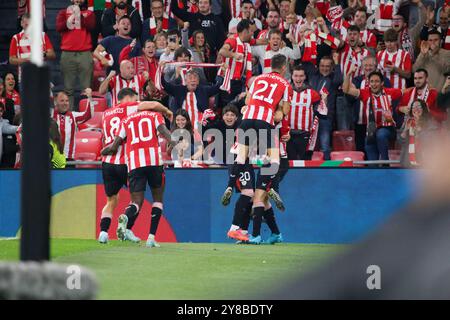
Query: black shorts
[[245, 179], [114, 177], [263, 131], [139, 178]]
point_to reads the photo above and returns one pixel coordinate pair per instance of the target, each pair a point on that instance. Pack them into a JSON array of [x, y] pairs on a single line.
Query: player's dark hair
[[230, 108], [243, 25], [149, 40], [376, 73], [278, 61], [354, 28], [390, 36], [126, 92], [422, 70]]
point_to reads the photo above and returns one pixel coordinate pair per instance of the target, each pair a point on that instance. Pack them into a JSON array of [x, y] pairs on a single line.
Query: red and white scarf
[[310, 51], [423, 96], [153, 24], [334, 15], [159, 72], [315, 127], [386, 13], [237, 69], [412, 144], [235, 8]]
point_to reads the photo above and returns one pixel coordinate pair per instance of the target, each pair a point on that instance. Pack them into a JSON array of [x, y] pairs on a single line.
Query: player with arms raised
[[267, 102], [114, 169], [145, 165]]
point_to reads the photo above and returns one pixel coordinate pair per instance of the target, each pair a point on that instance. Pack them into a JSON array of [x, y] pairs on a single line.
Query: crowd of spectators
[[380, 69]]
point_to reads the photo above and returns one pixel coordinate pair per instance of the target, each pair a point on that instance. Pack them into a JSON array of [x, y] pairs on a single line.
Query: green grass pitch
[[184, 270]]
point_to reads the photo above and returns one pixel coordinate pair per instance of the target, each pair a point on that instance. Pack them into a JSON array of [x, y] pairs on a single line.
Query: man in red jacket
[[75, 24]]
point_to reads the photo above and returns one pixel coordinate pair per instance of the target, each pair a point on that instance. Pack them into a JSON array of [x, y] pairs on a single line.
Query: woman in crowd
[[190, 146]]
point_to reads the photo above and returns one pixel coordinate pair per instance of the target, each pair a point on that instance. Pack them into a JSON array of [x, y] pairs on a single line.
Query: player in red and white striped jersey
[[379, 102], [393, 62], [352, 53], [20, 46], [145, 165], [68, 121], [268, 101], [114, 169], [127, 79]]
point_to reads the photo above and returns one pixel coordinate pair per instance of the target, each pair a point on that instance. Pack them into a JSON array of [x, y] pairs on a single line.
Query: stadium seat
[[94, 123], [347, 155], [343, 140], [99, 104], [86, 156], [88, 141], [395, 155], [317, 156]]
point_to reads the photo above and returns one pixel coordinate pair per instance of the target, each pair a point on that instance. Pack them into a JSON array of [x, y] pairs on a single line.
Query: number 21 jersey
[[141, 135], [266, 93]]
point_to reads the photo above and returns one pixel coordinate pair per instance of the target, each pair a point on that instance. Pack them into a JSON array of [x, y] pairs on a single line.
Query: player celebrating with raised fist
[[145, 165], [268, 101], [114, 169]]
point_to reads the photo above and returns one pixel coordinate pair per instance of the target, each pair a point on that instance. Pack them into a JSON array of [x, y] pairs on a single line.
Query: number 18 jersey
[[266, 93], [141, 135], [111, 120]]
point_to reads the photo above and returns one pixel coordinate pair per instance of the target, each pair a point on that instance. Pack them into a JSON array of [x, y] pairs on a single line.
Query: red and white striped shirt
[[190, 105], [267, 91], [20, 47], [369, 38], [302, 113], [68, 125], [380, 103], [111, 120], [142, 145], [400, 59], [235, 8], [350, 57], [363, 108], [237, 70], [118, 83]]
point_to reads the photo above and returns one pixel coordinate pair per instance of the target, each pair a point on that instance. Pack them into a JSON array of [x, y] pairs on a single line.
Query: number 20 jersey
[[111, 120], [141, 135], [267, 91]]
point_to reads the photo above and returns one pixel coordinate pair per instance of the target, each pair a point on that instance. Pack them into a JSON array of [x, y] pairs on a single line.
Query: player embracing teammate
[[136, 123], [267, 102]]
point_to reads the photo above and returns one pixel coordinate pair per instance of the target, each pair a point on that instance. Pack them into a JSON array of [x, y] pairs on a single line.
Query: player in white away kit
[[268, 101], [114, 169], [145, 165]]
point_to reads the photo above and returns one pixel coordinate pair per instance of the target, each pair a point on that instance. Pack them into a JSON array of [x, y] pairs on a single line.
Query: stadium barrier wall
[[324, 205]]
